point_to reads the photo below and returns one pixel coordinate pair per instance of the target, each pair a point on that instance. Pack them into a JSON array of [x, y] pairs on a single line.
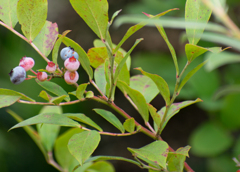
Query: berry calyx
[[51, 67], [72, 64], [42, 76], [17, 75], [27, 63], [71, 77]]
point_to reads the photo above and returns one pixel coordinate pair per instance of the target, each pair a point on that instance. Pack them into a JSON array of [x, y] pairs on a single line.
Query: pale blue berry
[[66, 53], [17, 75], [75, 55]]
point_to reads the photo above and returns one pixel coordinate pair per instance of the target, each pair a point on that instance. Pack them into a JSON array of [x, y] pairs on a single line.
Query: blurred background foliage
[[211, 127]]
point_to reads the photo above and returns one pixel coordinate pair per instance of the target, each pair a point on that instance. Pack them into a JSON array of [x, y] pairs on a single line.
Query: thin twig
[[52, 162]]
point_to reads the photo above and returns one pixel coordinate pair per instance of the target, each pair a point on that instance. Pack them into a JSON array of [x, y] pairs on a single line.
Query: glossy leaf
[[193, 51], [175, 162], [196, 10], [48, 118], [8, 92], [156, 117], [210, 140], [32, 16], [83, 58], [83, 118], [82, 145], [154, 153], [160, 83], [137, 98], [48, 132], [101, 166], [94, 13], [46, 39], [6, 100], [8, 12], [58, 100], [174, 109], [45, 95], [53, 88], [129, 125], [57, 46], [80, 91], [111, 118], [62, 154], [145, 86]]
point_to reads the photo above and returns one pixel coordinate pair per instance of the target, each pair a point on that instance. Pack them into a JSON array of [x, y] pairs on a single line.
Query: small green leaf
[[94, 13], [154, 153], [156, 117], [137, 98], [48, 132], [46, 39], [83, 58], [129, 125], [99, 75], [8, 12], [175, 162], [111, 118], [53, 88], [80, 91], [184, 150], [83, 118], [196, 10], [161, 84], [58, 100], [193, 51], [82, 145], [144, 85], [6, 100], [32, 16], [101, 166], [48, 118], [45, 95], [57, 45], [89, 94], [8, 92]]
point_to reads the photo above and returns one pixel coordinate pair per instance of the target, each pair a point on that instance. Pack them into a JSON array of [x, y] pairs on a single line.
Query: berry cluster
[[71, 63]]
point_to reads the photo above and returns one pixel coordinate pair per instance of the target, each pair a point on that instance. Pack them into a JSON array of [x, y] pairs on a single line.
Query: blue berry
[[66, 53], [75, 55], [17, 75]]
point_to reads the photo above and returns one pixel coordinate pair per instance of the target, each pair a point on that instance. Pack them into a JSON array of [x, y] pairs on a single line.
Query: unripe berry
[[17, 75], [51, 67], [27, 63], [42, 76], [71, 77], [72, 64], [66, 53]]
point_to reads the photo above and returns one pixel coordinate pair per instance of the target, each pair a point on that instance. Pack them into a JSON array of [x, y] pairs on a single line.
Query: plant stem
[[52, 162]]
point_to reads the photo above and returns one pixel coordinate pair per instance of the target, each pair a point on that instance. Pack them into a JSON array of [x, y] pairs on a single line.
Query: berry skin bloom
[[42, 76], [27, 63], [71, 77], [66, 53], [17, 75], [51, 67], [72, 64]]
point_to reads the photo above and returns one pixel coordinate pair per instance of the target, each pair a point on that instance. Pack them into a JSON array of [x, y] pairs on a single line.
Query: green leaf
[[32, 16], [156, 117], [94, 13], [154, 153], [6, 100], [45, 95], [175, 162], [129, 125], [89, 94], [48, 118], [161, 84], [48, 133], [8, 12], [190, 74], [62, 154], [196, 10], [144, 85], [8, 92], [111, 118], [101, 166], [82, 145], [137, 98], [193, 51], [58, 100], [83, 118], [46, 39], [57, 46], [226, 90], [80, 91], [183, 150], [210, 140], [174, 109], [99, 75], [53, 88], [83, 58]]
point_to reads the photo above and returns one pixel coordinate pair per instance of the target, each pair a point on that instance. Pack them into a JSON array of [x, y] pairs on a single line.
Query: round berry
[[27, 63], [51, 67], [42, 76], [66, 53], [71, 77], [75, 54], [17, 75], [72, 64]]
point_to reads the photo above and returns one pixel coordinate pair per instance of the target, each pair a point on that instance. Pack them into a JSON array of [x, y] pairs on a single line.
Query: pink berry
[[51, 67], [27, 63], [42, 76], [72, 64], [71, 77]]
